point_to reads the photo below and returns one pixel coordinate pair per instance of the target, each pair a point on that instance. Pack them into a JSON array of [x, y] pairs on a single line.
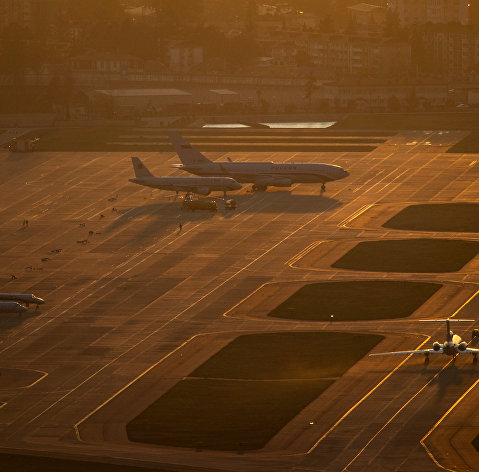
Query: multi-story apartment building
[[339, 55], [20, 12], [453, 50], [416, 12], [380, 95]]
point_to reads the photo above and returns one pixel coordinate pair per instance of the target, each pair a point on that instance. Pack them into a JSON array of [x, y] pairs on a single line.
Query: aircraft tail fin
[[140, 169], [186, 152], [448, 331]]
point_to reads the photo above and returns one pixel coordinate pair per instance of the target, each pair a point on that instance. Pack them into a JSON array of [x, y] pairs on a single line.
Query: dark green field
[[409, 255], [241, 397], [458, 217], [358, 300]]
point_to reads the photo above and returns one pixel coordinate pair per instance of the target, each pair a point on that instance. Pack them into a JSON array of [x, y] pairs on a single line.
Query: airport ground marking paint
[[356, 214], [384, 426], [414, 397], [225, 314], [423, 440], [125, 263], [177, 315], [335, 425], [302, 253], [76, 425]]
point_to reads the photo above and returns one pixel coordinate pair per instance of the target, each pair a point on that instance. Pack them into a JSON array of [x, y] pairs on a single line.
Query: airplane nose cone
[[344, 174], [237, 186]]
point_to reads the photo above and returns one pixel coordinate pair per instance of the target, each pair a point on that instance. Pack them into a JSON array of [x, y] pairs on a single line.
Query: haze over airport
[[239, 235]]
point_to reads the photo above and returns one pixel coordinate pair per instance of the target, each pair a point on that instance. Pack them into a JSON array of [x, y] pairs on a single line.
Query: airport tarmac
[[134, 304]]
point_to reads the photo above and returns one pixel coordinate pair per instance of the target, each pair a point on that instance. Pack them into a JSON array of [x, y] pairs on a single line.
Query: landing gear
[[323, 188], [474, 359], [426, 358]]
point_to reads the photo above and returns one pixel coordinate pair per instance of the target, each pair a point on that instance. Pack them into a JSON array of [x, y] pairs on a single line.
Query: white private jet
[[200, 185], [453, 346], [261, 174]]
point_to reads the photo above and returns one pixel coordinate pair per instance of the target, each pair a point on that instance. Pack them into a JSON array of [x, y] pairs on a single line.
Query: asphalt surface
[[134, 304]]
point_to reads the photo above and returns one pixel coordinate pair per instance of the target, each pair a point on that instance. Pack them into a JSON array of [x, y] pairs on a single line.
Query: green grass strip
[[409, 255], [357, 300], [457, 217], [277, 375]]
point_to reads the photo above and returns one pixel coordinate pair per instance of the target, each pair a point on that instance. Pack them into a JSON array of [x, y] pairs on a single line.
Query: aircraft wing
[[425, 351], [470, 350]]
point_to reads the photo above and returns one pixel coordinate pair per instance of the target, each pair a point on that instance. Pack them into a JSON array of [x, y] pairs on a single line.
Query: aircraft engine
[[203, 190], [436, 346], [462, 346], [273, 182]]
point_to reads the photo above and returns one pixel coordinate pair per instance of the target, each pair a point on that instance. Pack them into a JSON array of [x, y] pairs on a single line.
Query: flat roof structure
[[143, 92]]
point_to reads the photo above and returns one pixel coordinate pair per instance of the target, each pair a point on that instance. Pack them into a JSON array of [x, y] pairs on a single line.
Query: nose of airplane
[[344, 173], [237, 185]]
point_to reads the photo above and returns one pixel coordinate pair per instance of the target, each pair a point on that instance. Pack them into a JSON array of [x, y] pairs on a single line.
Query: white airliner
[[12, 307], [261, 174], [200, 185], [21, 298], [453, 346]]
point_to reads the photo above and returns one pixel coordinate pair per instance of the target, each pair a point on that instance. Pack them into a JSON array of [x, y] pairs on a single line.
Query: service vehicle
[[231, 204], [193, 205]]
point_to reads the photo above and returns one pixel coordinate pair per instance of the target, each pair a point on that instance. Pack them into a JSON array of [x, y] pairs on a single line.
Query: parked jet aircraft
[[453, 346], [262, 174], [12, 307], [201, 185], [21, 298]]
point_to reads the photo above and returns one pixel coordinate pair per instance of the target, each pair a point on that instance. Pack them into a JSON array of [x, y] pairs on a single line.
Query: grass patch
[[352, 301], [469, 144], [475, 443], [277, 375], [223, 414], [287, 356], [410, 121], [460, 217], [27, 463], [409, 255]]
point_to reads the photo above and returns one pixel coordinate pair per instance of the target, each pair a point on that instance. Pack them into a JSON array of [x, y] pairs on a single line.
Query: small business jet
[[21, 298], [200, 185], [12, 307], [453, 346], [261, 174]]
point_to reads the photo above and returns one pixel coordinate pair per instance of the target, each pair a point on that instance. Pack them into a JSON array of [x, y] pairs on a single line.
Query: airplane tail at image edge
[[140, 169], [186, 152]]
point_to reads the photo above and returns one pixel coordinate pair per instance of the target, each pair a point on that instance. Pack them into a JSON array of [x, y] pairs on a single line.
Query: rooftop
[[143, 92]]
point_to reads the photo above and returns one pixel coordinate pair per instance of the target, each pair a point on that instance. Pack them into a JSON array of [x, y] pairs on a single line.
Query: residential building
[[183, 57], [365, 17], [390, 95], [417, 12], [452, 50], [20, 12]]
